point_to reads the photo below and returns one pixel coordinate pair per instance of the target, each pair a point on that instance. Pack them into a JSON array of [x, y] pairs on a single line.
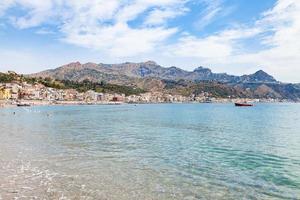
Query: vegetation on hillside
[[215, 89], [9, 77], [67, 84]]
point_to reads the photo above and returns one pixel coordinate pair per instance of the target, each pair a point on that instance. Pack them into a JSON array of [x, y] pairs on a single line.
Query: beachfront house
[[70, 95], [118, 98], [93, 96]]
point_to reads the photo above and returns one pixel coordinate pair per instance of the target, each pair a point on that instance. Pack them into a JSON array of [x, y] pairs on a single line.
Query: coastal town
[[17, 93], [38, 94], [20, 93]]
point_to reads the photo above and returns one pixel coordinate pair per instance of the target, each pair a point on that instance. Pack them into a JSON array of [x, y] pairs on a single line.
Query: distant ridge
[[150, 69]]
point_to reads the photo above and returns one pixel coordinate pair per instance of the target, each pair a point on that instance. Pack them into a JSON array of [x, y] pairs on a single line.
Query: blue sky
[[234, 36]]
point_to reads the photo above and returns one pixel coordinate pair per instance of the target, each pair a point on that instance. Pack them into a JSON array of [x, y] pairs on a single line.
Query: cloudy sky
[[234, 36]]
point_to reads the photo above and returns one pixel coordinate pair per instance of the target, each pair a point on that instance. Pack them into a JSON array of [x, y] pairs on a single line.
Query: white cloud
[[281, 24], [209, 47], [37, 13], [282, 58], [105, 26], [100, 24], [4, 4], [214, 47], [120, 40], [214, 9], [159, 16]]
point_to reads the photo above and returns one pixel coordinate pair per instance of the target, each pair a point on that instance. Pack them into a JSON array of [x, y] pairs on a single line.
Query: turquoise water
[[163, 151]]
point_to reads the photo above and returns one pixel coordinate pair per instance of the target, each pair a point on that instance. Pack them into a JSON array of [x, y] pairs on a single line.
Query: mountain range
[[117, 72], [150, 76]]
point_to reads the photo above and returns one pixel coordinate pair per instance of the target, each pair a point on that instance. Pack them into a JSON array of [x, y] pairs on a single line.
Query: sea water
[[155, 151]]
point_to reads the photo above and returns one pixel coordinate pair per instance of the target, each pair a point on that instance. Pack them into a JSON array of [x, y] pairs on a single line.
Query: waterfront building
[[5, 93]]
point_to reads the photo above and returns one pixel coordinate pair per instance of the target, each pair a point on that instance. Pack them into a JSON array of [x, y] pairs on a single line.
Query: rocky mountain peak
[[150, 62], [262, 76], [261, 73], [202, 70], [72, 65]]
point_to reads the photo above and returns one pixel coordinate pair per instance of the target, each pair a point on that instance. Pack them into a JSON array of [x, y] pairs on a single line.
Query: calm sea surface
[[164, 151]]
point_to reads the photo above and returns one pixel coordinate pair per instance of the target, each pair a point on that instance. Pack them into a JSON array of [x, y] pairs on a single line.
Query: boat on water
[[243, 104], [23, 105]]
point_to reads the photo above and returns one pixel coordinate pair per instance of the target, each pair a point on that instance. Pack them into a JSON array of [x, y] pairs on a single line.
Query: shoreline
[[29, 103]]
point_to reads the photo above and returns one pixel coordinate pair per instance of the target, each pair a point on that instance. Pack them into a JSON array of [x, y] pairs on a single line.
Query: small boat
[[243, 104], [23, 105]]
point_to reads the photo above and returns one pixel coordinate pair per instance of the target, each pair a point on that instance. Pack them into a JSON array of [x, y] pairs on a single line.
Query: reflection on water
[[196, 151]]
